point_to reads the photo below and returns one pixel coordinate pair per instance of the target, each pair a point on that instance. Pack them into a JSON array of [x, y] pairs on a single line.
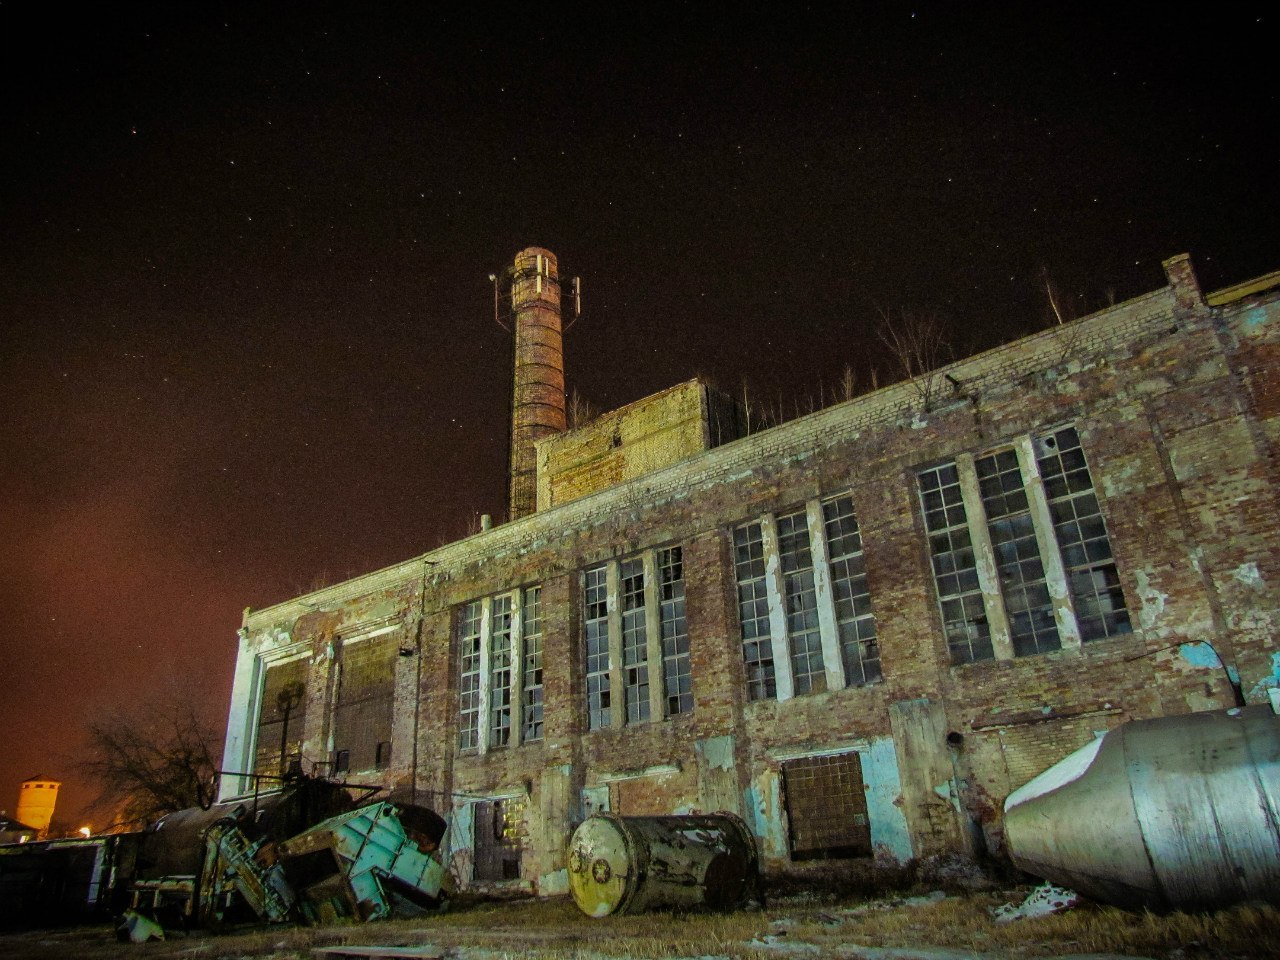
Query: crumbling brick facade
[[945, 597]]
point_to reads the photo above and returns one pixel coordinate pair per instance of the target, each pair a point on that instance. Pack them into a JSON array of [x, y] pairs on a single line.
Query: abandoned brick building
[[859, 630]]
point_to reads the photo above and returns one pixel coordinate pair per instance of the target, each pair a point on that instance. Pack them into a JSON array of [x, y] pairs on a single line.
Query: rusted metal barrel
[[632, 864], [1175, 813]]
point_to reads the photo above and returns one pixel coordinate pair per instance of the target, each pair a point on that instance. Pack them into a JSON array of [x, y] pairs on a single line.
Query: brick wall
[[1172, 404]]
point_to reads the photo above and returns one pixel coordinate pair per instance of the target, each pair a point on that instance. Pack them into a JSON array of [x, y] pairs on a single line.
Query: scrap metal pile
[[306, 852]]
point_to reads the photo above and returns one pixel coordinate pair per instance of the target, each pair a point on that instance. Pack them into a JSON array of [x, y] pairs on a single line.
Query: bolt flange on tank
[[632, 864]]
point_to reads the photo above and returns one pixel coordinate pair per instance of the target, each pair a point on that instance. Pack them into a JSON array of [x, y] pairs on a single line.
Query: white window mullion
[[486, 641], [653, 637], [777, 609], [984, 558], [617, 676], [1055, 575], [832, 662], [516, 689]]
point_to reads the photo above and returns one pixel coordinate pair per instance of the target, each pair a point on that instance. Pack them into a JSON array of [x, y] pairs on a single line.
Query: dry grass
[[555, 930]]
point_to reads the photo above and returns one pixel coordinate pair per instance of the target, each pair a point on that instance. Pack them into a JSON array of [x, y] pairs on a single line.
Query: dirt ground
[[928, 925]]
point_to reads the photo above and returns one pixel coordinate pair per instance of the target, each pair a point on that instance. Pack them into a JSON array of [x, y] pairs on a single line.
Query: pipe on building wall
[[537, 402]]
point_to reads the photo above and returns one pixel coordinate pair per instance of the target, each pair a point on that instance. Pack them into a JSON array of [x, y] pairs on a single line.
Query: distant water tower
[[36, 800]]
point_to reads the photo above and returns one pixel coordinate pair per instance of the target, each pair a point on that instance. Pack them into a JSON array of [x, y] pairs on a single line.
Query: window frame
[[493, 708], [781, 554], [633, 651], [1006, 641]]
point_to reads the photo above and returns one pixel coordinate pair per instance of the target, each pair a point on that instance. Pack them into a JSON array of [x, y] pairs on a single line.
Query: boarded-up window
[[499, 839], [362, 712], [283, 714], [826, 807]]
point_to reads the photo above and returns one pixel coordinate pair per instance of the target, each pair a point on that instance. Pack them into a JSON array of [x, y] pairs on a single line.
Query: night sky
[[247, 343]]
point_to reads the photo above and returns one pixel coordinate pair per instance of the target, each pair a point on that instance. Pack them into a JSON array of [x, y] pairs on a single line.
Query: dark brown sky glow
[[246, 338]]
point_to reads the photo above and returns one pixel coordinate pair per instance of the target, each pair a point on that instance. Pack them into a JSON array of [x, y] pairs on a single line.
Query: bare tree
[[918, 346], [848, 388], [158, 759], [580, 410]]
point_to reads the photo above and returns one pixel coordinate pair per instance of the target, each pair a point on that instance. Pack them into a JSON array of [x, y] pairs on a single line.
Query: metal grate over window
[[826, 807]]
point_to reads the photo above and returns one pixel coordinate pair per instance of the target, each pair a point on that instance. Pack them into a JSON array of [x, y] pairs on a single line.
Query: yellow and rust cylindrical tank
[[631, 864], [1174, 813]]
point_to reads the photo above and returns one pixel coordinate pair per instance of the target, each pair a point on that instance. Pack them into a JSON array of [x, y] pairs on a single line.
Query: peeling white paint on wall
[[1248, 574], [1152, 601]]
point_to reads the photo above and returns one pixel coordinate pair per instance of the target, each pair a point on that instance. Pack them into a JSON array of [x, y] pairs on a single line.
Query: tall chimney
[[537, 404]]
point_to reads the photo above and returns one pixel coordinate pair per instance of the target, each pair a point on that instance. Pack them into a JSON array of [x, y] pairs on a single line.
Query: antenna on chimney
[[576, 286], [497, 318]]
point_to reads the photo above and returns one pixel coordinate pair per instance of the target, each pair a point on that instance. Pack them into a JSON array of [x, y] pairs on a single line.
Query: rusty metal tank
[[174, 844], [1174, 813], [631, 864]]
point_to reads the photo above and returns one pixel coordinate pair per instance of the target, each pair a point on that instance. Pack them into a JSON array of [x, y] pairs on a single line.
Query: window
[[365, 695], [282, 717], [1021, 559], [676, 671], [803, 602], [826, 807], [500, 670], [636, 639]]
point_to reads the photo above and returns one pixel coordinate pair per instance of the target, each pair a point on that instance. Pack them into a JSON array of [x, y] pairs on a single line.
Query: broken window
[[500, 670], [826, 805], [1023, 582], [282, 718], [1024, 518], [365, 696], [753, 611], [955, 566], [498, 839], [596, 629], [859, 649], [636, 639], [802, 588], [677, 673], [1082, 536]]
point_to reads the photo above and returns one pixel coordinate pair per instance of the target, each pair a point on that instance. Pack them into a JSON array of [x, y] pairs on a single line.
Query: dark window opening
[[826, 807], [382, 755], [341, 761]]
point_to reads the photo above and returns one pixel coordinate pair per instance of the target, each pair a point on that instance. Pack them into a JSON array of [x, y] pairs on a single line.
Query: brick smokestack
[[537, 403]]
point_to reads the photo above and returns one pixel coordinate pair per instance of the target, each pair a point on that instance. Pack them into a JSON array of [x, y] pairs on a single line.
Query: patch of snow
[[1072, 767], [773, 941], [1041, 902]]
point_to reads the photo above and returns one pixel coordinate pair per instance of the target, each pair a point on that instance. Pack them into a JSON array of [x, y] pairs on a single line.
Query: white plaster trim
[[660, 770], [781, 754]]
